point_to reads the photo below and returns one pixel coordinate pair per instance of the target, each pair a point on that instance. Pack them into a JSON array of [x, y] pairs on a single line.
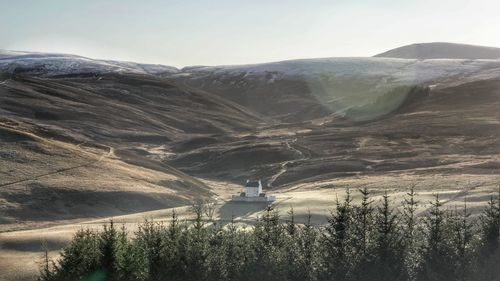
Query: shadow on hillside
[[240, 210], [34, 245], [53, 204]]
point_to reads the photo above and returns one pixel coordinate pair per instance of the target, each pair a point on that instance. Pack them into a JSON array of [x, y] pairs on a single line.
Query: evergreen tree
[[462, 237], [410, 233], [436, 264], [150, 244], [236, 250], [195, 244], [308, 248], [273, 250], [291, 226], [363, 216], [216, 259], [268, 247], [81, 258], [133, 266], [110, 250], [489, 250], [362, 226], [388, 261], [337, 256]]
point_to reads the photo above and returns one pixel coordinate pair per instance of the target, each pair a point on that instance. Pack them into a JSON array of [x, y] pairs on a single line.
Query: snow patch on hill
[[383, 70], [404, 71], [51, 64]]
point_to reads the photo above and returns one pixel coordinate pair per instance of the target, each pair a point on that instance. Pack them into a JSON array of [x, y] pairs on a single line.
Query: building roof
[[252, 184]]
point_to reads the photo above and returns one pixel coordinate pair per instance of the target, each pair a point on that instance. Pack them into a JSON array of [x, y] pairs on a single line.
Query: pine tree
[[362, 226], [109, 248], [133, 263], [236, 250], [81, 258], [300, 249], [307, 255], [462, 235], [337, 258], [196, 245], [388, 261], [216, 259], [269, 247], [436, 264], [150, 244], [291, 226], [277, 251], [409, 224], [363, 216], [489, 249]]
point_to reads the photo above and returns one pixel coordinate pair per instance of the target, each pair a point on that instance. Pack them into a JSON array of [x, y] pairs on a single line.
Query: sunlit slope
[[75, 148], [46, 181], [442, 50], [302, 90]]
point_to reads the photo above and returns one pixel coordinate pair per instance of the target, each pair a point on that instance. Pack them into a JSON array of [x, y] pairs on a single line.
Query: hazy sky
[[210, 32]]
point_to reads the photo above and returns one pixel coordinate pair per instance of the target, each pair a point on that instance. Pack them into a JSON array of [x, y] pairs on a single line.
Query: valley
[[83, 141]]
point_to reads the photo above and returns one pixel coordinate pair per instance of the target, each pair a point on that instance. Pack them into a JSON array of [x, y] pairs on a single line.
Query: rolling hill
[[90, 145], [441, 50], [99, 138]]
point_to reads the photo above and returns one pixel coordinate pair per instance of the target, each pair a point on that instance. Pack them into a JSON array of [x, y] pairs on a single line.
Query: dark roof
[[252, 184]]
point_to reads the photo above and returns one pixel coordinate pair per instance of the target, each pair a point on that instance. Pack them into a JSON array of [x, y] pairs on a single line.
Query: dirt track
[[285, 163]]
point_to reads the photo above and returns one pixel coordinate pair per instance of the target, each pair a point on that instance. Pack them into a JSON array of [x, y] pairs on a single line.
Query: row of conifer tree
[[369, 241]]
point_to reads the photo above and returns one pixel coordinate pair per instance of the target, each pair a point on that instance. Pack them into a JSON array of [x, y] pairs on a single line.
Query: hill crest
[[442, 50]]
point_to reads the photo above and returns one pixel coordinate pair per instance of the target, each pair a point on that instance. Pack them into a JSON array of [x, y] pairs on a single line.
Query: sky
[[215, 32]]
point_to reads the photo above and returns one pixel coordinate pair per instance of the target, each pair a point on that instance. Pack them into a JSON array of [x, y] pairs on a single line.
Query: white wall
[[252, 191]]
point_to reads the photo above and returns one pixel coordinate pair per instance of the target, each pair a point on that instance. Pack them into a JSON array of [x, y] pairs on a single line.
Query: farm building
[[253, 193]]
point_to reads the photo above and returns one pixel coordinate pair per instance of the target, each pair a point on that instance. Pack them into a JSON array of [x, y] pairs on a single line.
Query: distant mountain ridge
[[289, 91], [442, 50], [57, 64], [54, 64]]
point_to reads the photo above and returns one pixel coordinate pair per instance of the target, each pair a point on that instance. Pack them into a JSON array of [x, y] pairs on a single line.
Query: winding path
[[285, 163]]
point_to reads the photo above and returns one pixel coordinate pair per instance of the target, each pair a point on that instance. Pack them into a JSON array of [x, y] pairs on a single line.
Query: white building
[[253, 193], [253, 188]]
